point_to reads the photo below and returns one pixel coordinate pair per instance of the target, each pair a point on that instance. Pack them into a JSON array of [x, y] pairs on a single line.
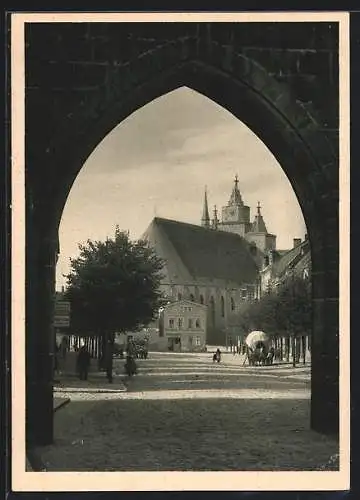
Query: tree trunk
[[293, 344], [303, 340], [287, 349], [102, 351], [110, 338]]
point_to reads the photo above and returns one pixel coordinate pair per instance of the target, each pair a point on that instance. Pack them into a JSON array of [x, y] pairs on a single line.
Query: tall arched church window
[[222, 307], [212, 311], [232, 304]]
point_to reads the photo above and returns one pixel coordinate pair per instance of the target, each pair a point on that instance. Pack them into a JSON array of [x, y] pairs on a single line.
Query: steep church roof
[[197, 252]]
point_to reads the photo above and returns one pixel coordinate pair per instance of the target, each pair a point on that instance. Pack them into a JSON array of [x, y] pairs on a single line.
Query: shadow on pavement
[[191, 434]]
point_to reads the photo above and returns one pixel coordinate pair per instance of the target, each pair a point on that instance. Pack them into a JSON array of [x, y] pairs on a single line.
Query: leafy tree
[[294, 297], [284, 311], [114, 286]]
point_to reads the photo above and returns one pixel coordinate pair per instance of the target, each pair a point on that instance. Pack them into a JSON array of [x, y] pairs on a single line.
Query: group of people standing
[[84, 359]]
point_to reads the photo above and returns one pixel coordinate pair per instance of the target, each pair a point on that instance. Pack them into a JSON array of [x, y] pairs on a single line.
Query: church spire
[[205, 219], [235, 198], [258, 225]]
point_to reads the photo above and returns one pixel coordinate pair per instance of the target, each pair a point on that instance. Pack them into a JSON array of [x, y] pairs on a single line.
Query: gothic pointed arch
[[79, 99]]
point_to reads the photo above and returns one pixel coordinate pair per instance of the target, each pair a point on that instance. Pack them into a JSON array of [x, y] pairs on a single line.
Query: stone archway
[[244, 87]]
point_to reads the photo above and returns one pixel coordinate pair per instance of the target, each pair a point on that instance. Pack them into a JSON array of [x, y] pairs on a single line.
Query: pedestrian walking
[[83, 362]]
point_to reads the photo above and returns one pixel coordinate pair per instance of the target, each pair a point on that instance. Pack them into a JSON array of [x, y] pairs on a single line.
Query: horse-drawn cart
[[258, 349]]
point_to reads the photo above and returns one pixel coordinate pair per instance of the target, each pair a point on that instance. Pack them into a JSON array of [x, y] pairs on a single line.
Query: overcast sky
[[157, 162]]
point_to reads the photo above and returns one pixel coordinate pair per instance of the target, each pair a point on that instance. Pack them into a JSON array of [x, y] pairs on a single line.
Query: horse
[[257, 356]]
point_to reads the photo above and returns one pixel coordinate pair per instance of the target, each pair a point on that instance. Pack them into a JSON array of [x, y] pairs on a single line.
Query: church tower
[[259, 235], [205, 219], [235, 215]]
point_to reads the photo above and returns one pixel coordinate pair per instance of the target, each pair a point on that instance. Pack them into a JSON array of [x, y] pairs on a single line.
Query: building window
[[243, 293], [180, 323], [197, 340], [197, 323], [232, 304], [222, 307], [192, 298], [171, 323], [212, 311], [190, 323], [201, 299]]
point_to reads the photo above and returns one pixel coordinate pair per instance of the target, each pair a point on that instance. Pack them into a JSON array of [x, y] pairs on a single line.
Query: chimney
[[297, 242]]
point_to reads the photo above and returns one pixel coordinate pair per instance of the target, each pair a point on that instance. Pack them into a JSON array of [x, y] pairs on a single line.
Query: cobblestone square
[[182, 412]]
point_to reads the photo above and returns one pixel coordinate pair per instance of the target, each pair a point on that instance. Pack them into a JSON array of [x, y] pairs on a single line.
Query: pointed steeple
[[205, 219], [215, 221], [235, 198], [258, 225]]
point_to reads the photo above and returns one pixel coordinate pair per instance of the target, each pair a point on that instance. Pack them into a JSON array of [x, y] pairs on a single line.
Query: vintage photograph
[[182, 181]]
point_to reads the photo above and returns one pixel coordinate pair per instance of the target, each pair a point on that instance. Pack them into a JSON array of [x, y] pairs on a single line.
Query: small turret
[[215, 221], [259, 234], [258, 225]]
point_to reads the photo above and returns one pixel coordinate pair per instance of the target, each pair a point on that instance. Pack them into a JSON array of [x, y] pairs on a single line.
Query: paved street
[[182, 412], [169, 376], [185, 374]]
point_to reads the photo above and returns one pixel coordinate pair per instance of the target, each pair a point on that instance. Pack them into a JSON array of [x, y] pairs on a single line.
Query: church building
[[216, 263]]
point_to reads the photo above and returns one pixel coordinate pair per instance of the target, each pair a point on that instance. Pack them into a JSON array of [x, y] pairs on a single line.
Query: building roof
[[185, 302], [293, 259], [281, 253], [303, 263], [195, 252]]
